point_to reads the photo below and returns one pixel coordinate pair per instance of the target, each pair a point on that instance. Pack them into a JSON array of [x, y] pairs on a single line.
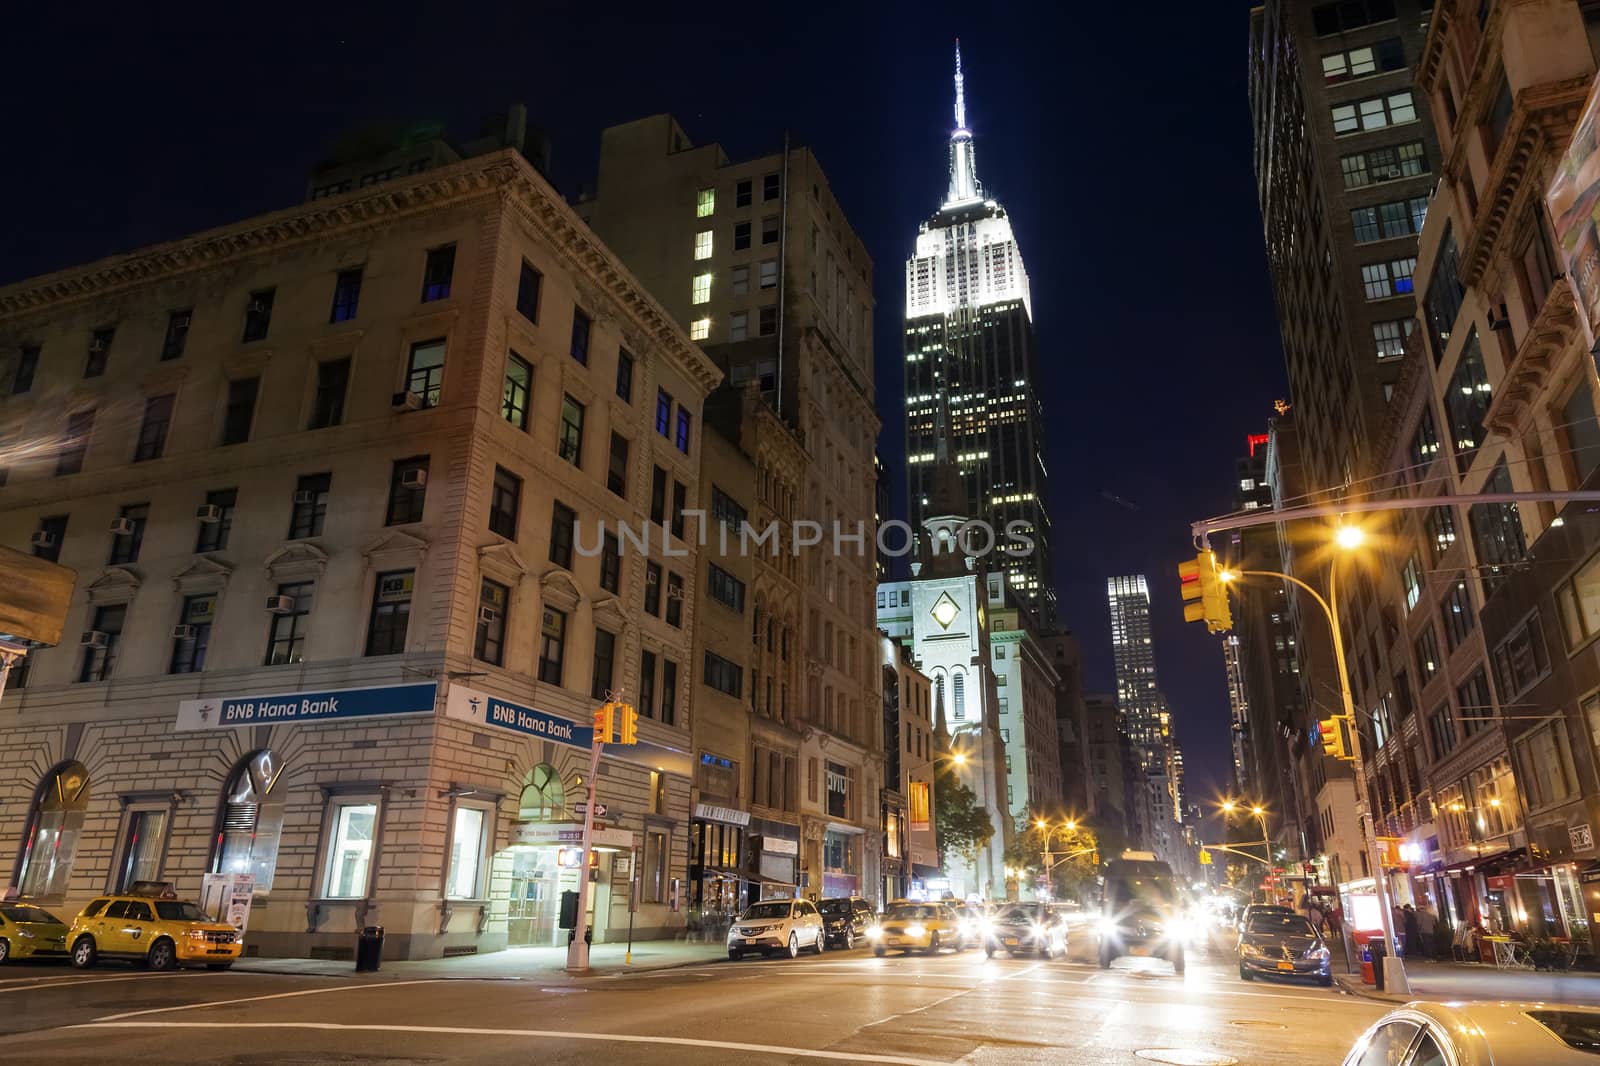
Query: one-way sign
[[582, 806]]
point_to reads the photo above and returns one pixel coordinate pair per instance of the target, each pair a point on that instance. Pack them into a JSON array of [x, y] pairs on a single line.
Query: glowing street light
[[1349, 537]]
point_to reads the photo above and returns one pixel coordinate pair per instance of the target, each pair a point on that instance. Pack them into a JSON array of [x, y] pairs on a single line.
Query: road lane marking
[[275, 995], [74, 982], [540, 1034]]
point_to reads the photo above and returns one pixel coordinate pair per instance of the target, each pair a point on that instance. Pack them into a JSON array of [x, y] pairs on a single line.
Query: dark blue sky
[[1117, 137]]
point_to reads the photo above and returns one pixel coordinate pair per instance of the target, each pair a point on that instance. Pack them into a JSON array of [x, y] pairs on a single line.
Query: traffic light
[[1335, 736], [1204, 593], [627, 724], [1205, 857], [604, 720]]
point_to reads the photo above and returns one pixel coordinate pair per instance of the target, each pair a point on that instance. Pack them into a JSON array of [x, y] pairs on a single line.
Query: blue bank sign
[[480, 708], [333, 705]]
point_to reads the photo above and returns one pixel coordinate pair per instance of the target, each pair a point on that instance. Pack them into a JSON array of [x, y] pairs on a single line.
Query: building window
[[1439, 530], [725, 588], [669, 692], [1544, 759], [552, 645], [726, 511], [391, 612], [1411, 578], [681, 439], [1496, 530], [705, 203], [490, 641], [287, 639], [724, 676], [653, 883], [346, 296], [1474, 705], [674, 600], [310, 505], [1456, 610], [505, 502], [625, 375], [1582, 432], [617, 466], [27, 367], [769, 230], [1426, 648], [529, 282], [258, 316], [425, 371], [1374, 114], [702, 245], [579, 347], [658, 494], [353, 826], [1577, 602], [652, 589], [1347, 15], [142, 852], [738, 325], [610, 563], [663, 412], [770, 187], [217, 521], [1521, 660], [1442, 731], [700, 289], [739, 280], [333, 382], [125, 545], [742, 193], [1379, 58], [54, 827], [251, 821], [467, 842], [408, 490], [700, 329], [192, 635], [437, 272], [74, 443], [1389, 163], [680, 501], [767, 320], [562, 521], [569, 443], [1389, 338], [1466, 402], [518, 387], [104, 637], [153, 430], [605, 653], [177, 338], [647, 684], [741, 236], [769, 274], [1424, 444], [99, 352], [1380, 281], [240, 411]]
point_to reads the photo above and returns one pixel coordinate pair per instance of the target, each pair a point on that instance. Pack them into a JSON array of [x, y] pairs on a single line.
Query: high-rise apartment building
[[972, 370], [1140, 705], [757, 261]]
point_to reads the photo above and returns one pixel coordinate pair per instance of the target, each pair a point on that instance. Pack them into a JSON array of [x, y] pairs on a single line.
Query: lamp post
[[1348, 538]]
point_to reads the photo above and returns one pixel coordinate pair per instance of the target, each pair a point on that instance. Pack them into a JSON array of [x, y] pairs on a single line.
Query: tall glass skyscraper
[[1141, 709], [972, 370]]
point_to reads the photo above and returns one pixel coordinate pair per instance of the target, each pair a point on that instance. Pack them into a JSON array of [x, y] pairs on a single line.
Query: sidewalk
[[517, 964], [1462, 980]]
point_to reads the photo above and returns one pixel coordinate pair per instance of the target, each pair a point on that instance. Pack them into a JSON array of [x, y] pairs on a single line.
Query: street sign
[[582, 806]]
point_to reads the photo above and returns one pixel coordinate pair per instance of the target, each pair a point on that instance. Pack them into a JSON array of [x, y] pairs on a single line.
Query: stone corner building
[[354, 456]]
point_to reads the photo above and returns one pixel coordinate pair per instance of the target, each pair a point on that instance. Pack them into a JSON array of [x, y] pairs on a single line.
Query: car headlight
[[874, 933], [1249, 949], [1318, 953], [196, 934], [1106, 926], [986, 927], [915, 930]]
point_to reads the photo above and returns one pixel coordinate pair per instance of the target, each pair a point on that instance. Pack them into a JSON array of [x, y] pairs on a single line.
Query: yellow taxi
[[151, 925], [911, 926], [28, 932]]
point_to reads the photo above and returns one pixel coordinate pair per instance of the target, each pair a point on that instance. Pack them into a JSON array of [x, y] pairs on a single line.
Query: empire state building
[[972, 370]]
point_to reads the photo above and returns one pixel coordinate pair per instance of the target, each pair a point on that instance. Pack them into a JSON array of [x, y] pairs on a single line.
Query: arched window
[[54, 827], [251, 820], [544, 798], [960, 685]]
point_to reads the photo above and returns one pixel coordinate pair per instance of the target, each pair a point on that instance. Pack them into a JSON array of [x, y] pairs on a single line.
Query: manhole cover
[[1182, 1056], [1255, 1023]]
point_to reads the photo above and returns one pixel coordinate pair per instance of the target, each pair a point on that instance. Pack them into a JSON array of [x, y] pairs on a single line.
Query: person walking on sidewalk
[[1427, 925], [1413, 946]]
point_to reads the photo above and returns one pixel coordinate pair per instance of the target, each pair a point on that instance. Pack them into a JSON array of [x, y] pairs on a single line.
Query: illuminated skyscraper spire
[[964, 186]]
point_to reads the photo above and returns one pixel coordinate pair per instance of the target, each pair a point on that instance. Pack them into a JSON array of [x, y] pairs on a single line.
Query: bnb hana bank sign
[[237, 712], [480, 708]]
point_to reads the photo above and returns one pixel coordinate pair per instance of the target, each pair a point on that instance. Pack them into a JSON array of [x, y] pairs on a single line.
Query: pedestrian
[[1335, 918], [1413, 931], [1314, 912], [1428, 925]]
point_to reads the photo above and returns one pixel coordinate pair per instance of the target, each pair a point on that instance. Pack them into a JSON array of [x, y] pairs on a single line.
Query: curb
[[1354, 986], [556, 976]]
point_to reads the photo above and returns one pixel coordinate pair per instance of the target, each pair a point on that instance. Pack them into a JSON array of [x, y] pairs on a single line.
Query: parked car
[[28, 932], [1021, 928], [1480, 1034], [918, 927], [1142, 913], [847, 919], [157, 929], [1282, 945], [1261, 908], [777, 926]]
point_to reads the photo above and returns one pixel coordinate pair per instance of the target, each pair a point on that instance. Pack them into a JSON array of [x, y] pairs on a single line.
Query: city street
[[844, 1006]]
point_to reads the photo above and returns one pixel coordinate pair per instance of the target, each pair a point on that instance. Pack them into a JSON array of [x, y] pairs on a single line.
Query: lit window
[[701, 290], [705, 203], [700, 329], [702, 244]]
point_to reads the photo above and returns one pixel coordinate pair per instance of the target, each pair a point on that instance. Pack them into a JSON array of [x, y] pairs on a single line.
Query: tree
[[1072, 852], [960, 823]]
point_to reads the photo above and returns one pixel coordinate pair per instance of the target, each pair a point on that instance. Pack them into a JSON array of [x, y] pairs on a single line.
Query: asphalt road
[[841, 1007]]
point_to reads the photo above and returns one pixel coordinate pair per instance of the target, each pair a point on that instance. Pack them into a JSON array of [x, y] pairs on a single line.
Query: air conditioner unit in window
[[93, 638], [304, 496], [414, 479], [208, 513], [406, 401], [258, 306], [97, 346], [280, 604], [675, 592], [488, 615], [183, 632], [43, 539], [122, 527]]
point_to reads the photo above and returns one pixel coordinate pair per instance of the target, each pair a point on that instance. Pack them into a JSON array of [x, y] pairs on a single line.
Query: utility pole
[[625, 719]]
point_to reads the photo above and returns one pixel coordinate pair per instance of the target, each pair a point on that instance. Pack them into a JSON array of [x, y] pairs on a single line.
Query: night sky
[[1118, 138]]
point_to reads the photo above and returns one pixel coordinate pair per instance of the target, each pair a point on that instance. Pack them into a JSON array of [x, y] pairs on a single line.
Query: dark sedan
[[1282, 945], [847, 919], [1023, 928]]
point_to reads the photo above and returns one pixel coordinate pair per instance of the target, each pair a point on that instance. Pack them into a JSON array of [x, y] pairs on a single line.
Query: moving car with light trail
[[1142, 913], [777, 926], [1024, 928], [28, 932], [918, 927], [1480, 1034], [1282, 945]]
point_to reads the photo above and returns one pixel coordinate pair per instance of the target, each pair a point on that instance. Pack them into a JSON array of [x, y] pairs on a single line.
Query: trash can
[[369, 948], [1363, 941], [1377, 948]]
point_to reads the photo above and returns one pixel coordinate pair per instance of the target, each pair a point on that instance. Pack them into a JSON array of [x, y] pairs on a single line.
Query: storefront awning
[[1498, 859], [922, 871]]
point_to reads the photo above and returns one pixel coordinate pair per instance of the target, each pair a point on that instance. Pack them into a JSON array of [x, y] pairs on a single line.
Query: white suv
[[778, 925]]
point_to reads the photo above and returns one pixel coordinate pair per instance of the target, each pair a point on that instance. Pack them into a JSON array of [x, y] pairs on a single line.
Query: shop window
[[352, 827], [144, 845], [53, 832], [653, 873], [467, 839], [1544, 760], [251, 821], [544, 798]]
